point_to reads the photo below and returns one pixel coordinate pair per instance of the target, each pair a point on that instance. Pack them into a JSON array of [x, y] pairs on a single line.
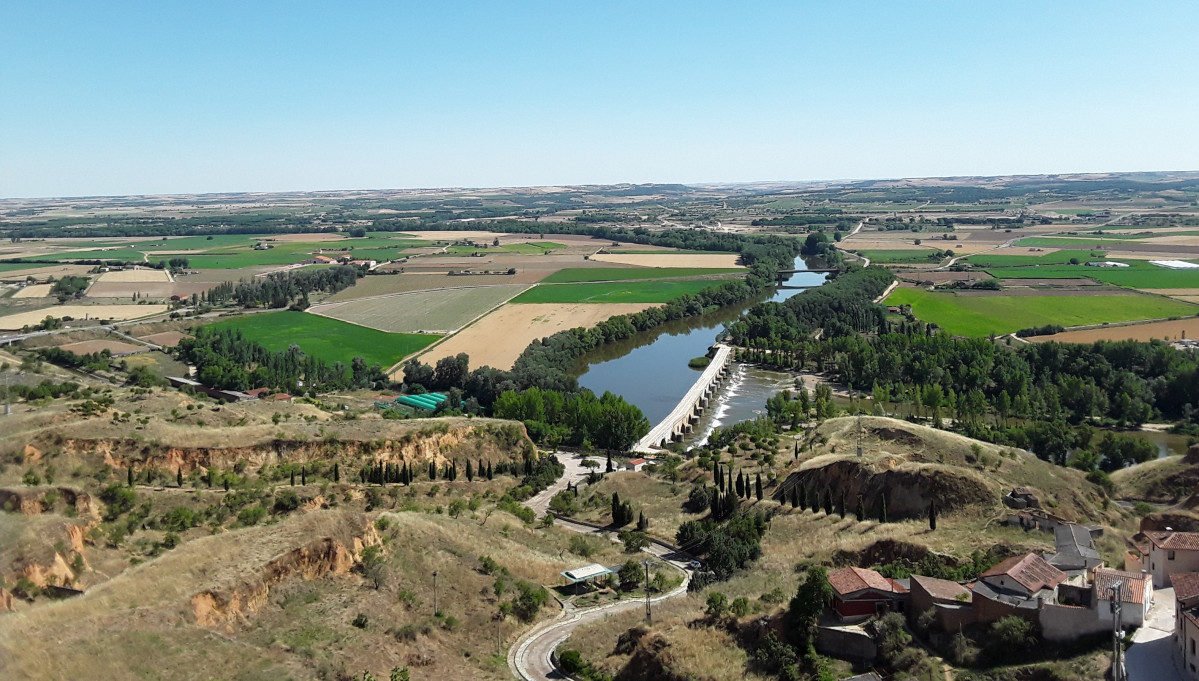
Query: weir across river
[[685, 415]]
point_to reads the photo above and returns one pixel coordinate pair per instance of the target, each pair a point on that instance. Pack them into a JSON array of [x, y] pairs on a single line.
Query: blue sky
[[169, 97]]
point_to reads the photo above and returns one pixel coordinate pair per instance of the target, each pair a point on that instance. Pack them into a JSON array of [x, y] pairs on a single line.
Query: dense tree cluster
[[840, 307], [579, 419], [226, 359], [728, 546], [69, 287], [281, 289]]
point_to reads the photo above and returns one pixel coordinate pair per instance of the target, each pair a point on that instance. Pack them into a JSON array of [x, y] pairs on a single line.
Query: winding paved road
[[529, 657]]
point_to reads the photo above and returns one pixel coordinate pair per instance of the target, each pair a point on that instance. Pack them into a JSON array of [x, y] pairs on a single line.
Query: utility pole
[[649, 616], [7, 405], [1118, 672], [435, 593]]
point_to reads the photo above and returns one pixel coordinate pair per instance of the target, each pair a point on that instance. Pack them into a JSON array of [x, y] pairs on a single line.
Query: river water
[[650, 369]]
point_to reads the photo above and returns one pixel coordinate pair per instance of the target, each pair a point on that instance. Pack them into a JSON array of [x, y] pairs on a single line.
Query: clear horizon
[[143, 99]]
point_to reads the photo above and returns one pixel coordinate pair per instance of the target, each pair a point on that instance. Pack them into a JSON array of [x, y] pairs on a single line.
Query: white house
[[1171, 552], [635, 464], [1136, 595]]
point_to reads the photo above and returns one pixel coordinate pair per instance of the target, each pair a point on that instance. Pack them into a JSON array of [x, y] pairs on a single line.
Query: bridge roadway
[[686, 414]]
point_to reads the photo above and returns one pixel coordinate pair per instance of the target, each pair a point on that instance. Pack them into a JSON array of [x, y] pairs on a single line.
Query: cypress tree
[[179, 476], [642, 523], [208, 478], [758, 487], [803, 497], [730, 506], [797, 450], [715, 504], [490, 471], [336, 473], [616, 508], [932, 515], [608, 467], [293, 477], [828, 503], [795, 497], [432, 471], [718, 475], [225, 479], [470, 472], [882, 508], [841, 505], [740, 486], [303, 475], [130, 470]]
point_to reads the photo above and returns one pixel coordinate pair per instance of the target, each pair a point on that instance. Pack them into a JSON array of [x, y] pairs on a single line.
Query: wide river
[[650, 369]]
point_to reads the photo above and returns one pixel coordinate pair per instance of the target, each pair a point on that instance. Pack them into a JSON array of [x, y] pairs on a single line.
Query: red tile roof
[[1030, 571], [850, 580], [1133, 589], [1180, 541], [942, 589], [1186, 585]]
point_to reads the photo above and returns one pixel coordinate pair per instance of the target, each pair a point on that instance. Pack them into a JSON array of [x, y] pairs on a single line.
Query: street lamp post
[[435, 593]]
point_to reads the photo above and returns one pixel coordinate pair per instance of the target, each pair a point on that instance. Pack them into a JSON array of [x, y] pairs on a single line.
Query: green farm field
[[613, 292], [899, 256], [14, 266], [983, 315], [1139, 274], [592, 274], [329, 339], [1055, 258], [440, 310], [234, 251]]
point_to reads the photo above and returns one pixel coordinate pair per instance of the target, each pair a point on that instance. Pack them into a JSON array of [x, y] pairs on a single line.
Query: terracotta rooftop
[[1180, 541], [942, 589], [1132, 591], [1186, 585], [853, 579], [1030, 571]]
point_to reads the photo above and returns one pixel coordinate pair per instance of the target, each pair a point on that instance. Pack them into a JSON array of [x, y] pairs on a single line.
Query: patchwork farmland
[[440, 310]]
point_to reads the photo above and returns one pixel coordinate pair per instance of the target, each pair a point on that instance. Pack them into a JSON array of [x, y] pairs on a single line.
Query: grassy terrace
[[983, 315], [329, 339], [626, 273], [614, 292]]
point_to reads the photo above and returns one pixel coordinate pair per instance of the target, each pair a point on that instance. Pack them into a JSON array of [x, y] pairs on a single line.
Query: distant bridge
[[814, 269], [685, 416]]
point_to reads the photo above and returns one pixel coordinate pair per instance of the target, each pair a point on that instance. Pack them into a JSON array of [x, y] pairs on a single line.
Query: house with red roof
[[1186, 623], [1136, 595], [1024, 576], [1171, 552], [858, 592]]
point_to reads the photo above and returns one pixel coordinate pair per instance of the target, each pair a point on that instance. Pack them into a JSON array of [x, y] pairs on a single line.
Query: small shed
[[635, 464], [585, 574]]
